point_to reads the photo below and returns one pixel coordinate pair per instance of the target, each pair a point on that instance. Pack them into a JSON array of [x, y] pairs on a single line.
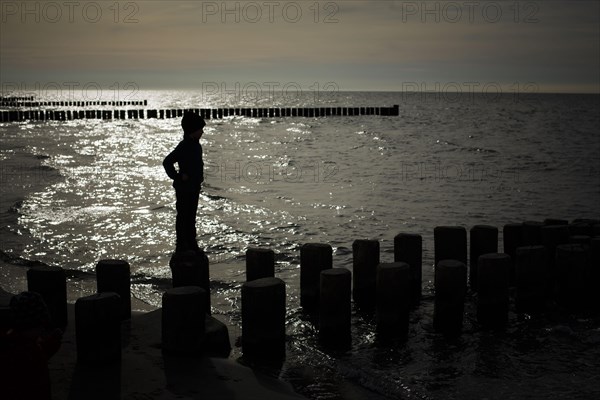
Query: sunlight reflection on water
[[279, 183]]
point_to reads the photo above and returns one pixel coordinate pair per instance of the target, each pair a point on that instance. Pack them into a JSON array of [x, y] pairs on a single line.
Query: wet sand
[[144, 373]]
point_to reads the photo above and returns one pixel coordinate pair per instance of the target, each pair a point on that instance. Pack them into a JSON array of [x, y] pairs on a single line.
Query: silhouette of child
[[26, 349], [188, 180]]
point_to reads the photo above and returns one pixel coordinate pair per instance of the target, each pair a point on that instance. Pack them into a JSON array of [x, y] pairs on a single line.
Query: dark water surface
[[93, 189]]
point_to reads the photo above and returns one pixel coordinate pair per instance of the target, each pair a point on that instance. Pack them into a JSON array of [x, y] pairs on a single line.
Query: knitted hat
[[28, 310], [191, 122]]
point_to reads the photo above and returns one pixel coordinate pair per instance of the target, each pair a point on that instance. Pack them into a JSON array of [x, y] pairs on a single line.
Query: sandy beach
[[144, 373]]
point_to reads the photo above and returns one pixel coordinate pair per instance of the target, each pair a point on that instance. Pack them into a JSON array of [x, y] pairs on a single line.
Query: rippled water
[[282, 182]]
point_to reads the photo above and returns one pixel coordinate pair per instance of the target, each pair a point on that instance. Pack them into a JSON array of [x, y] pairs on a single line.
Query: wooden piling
[[450, 291], [580, 239], [483, 240], [450, 243], [263, 319], [581, 227], [555, 221], [593, 274], [51, 283], [314, 258], [191, 268], [552, 236], [493, 279], [408, 248], [260, 263], [183, 320], [365, 259], [335, 309], [530, 278], [532, 233], [571, 263], [393, 299], [114, 276], [98, 329], [512, 237]]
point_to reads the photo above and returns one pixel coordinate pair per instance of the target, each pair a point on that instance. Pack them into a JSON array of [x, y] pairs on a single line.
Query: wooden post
[[492, 289], [393, 299], [51, 284], [530, 278], [532, 233], [365, 259], [408, 248], [552, 236], [335, 309], [98, 328], [581, 227], [512, 235], [580, 239], [191, 268], [484, 239], [183, 320], [450, 243], [263, 319], [593, 274], [314, 258], [114, 276], [260, 263], [555, 221], [571, 263], [450, 291]]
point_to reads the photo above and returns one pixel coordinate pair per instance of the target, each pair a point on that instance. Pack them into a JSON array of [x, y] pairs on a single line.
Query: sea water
[[101, 192]]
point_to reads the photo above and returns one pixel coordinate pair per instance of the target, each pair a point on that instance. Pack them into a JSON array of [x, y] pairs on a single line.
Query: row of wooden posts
[[16, 98], [542, 260], [207, 113], [15, 102]]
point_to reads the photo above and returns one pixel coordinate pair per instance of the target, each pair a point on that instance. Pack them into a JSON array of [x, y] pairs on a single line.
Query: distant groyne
[[207, 113]]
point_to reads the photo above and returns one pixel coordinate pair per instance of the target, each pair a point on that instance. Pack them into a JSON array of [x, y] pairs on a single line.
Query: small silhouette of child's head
[[191, 123], [28, 311]]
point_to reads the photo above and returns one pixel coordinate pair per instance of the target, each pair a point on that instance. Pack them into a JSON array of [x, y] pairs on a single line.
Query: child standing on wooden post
[[187, 180]]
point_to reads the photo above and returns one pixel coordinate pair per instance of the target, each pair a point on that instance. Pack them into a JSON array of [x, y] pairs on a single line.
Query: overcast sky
[[359, 45]]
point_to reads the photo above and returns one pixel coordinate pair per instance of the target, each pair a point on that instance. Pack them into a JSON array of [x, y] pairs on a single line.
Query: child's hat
[[191, 122]]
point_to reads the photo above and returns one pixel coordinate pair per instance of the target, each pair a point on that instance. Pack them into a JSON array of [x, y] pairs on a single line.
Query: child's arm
[[169, 164]]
